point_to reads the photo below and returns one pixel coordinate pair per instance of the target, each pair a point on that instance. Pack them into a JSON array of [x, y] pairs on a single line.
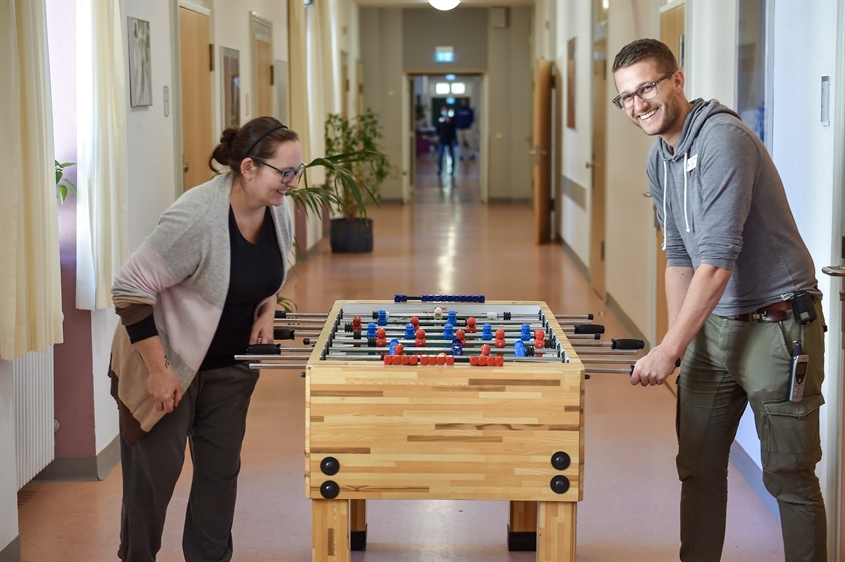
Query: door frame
[[835, 463], [598, 193], [409, 134], [260, 29], [205, 7]]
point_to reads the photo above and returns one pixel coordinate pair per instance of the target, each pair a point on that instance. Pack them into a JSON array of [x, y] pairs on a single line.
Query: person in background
[[445, 139], [744, 307], [200, 289], [464, 119]]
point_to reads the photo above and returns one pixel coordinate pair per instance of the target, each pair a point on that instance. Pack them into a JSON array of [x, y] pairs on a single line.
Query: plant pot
[[353, 236]]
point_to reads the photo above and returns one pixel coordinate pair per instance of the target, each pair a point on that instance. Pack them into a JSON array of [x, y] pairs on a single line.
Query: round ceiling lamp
[[444, 5]]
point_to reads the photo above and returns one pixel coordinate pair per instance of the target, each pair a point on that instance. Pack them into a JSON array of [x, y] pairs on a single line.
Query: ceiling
[[424, 3]]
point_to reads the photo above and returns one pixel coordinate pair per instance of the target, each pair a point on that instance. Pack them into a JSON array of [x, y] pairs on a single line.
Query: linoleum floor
[[444, 242]]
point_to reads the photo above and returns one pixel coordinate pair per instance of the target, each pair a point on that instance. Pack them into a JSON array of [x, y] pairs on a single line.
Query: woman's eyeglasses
[[287, 175]]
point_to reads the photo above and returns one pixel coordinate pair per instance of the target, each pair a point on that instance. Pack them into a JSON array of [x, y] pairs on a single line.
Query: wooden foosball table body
[[512, 432]]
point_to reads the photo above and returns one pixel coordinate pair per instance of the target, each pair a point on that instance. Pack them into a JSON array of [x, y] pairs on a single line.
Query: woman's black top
[[256, 272]]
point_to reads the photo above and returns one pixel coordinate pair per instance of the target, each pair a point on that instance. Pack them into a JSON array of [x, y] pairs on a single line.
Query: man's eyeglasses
[[644, 92], [287, 175]]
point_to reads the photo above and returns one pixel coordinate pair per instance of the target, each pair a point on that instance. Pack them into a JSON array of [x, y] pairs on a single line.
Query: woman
[[200, 289]]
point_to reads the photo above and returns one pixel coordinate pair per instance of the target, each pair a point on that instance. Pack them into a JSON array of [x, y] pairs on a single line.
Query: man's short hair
[[643, 49]]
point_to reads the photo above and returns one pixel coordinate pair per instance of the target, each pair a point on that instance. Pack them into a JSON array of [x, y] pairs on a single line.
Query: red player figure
[[356, 323], [471, 325], [539, 344]]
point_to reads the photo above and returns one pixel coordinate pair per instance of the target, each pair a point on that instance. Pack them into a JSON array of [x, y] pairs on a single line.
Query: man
[[464, 119], [445, 139], [736, 272]]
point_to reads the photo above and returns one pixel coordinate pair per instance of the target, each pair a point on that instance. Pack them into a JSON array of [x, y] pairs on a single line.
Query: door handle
[[589, 165], [185, 167], [646, 194], [834, 270]]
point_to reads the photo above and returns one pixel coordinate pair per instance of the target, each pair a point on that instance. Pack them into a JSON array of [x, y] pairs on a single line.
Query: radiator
[[34, 425]]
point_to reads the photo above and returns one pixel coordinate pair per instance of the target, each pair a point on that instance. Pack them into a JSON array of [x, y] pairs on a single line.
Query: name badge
[[691, 163]]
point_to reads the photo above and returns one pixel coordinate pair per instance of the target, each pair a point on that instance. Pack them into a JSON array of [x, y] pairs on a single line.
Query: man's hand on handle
[[654, 368]]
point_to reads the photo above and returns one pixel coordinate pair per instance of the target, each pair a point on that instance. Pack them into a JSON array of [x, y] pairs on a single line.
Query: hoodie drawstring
[[665, 181], [686, 221], [665, 184]]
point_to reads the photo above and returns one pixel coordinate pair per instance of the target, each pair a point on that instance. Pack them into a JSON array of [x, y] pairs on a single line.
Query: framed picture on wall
[[140, 72], [231, 87]]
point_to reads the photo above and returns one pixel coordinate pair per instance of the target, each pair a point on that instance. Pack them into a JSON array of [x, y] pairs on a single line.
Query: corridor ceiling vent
[[444, 5]]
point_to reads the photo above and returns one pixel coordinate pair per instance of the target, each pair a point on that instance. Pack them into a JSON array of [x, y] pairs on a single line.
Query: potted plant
[[63, 184], [353, 144]]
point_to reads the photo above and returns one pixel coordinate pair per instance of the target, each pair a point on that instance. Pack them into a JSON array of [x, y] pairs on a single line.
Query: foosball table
[[453, 398]]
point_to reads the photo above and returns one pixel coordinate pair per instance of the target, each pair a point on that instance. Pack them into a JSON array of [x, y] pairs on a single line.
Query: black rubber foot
[[358, 539], [521, 541]]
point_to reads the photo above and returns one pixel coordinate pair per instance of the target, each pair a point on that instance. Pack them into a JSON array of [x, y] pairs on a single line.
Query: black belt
[[771, 313]]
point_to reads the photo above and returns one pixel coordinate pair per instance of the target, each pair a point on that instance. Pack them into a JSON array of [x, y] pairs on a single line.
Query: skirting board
[[754, 476], [626, 322], [582, 267], [81, 469], [12, 551]]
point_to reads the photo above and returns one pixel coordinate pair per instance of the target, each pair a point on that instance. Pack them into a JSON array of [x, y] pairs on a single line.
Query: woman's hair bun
[[229, 135]]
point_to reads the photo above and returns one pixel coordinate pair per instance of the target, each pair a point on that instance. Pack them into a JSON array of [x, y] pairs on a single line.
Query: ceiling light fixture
[[444, 5]]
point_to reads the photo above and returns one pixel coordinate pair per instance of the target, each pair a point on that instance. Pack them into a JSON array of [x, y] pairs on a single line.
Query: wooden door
[[264, 75], [542, 151], [672, 34], [557, 156], [597, 207], [195, 60]]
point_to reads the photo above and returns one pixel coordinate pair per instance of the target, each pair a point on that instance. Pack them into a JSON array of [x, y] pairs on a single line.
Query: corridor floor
[[444, 242]]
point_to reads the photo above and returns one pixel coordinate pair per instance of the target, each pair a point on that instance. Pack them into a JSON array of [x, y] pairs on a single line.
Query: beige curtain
[[30, 291], [102, 171], [298, 79]]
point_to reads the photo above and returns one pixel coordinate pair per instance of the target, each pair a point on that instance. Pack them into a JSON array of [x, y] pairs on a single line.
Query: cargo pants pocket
[[789, 439]]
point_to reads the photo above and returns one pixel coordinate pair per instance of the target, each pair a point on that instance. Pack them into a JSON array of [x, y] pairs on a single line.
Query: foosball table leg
[[330, 531], [556, 532], [522, 526], [358, 524]]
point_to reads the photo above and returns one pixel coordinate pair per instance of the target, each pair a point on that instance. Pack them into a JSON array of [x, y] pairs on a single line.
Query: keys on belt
[[771, 313]]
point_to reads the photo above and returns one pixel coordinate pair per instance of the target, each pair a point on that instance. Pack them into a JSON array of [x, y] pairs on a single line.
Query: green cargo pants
[[729, 364]]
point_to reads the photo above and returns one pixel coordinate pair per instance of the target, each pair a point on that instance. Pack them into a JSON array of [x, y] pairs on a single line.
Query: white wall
[[711, 65], [232, 29], [802, 147], [381, 54], [8, 460], [149, 132], [575, 22], [629, 246]]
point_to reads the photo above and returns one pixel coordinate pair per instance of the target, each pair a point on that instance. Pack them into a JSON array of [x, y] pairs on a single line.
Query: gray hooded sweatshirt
[[720, 201]]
